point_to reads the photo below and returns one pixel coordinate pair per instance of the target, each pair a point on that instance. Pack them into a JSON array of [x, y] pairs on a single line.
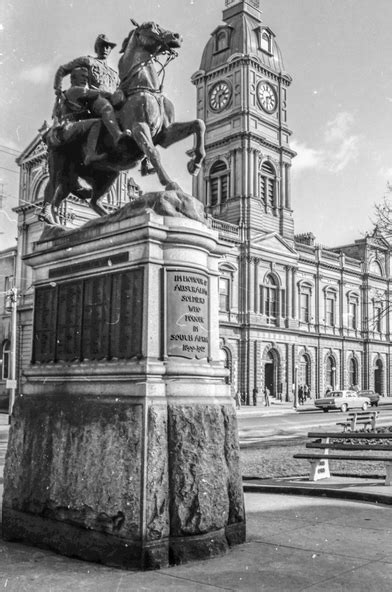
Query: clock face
[[266, 96], [220, 95]]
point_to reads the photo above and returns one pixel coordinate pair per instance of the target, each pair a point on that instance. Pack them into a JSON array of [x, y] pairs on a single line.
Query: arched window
[[353, 373], [266, 42], [219, 183], [304, 371], [221, 41], [267, 185], [330, 372], [227, 361], [376, 268], [5, 369], [269, 299]]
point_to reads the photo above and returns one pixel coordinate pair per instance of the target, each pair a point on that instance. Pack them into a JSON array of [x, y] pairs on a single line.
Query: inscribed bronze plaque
[[94, 318], [187, 314]]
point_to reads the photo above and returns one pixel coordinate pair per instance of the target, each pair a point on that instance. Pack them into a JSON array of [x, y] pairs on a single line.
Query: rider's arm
[[67, 69]]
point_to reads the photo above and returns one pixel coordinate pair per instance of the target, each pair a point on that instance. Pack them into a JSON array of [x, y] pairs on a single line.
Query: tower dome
[[243, 33]]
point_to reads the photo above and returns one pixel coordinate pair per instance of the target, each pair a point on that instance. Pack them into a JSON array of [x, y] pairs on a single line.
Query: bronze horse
[[146, 113]]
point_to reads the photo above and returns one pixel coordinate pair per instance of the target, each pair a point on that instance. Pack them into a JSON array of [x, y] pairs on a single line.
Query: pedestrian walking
[[238, 400], [255, 395], [266, 396]]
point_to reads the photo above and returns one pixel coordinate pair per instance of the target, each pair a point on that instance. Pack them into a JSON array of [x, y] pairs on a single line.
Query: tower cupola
[[243, 33]]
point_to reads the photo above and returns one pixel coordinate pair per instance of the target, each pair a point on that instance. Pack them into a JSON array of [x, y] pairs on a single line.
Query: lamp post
[[295, 387], [11, 381]]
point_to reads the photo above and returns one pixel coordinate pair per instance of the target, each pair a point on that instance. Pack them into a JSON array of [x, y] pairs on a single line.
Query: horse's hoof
[[193, 168], [46, 220]]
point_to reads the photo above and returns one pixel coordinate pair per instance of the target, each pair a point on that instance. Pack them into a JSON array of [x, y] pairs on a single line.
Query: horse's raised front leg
[[179, 131], [142, 136]]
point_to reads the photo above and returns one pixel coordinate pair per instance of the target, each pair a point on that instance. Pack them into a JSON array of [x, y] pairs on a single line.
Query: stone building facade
[[291, 311]]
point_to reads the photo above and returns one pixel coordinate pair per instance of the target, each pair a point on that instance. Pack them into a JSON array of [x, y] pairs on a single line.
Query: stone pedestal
[[123, 448]]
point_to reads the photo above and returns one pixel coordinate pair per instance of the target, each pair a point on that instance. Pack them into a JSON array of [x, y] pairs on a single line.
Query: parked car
[[342, 400], [374, 397]]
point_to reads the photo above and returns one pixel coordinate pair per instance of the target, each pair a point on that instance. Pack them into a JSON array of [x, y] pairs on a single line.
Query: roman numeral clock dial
[[220, 96], [266, 96]]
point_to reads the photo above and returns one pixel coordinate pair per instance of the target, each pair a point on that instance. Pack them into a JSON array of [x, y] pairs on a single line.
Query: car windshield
[[336, 394]]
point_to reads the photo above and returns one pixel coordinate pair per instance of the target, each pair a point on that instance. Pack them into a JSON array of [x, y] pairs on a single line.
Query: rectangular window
[[262, 186], [377, 319], [224, 188], [5, 365], [271, 305], [283, 303], [224, 294], [353, 316], [330, 311], [8, 285], [261, 300], [271, 192], [305, 307], [214, 191]]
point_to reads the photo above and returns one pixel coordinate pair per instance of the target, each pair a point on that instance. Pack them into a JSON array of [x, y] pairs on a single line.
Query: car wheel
[[364, 406], [344, 408], [325, 410]]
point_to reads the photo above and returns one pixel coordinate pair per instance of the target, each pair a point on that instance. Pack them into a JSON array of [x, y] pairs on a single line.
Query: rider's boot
[[108, 115]]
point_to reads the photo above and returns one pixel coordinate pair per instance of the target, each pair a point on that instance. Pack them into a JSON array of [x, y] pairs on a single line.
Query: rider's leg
[[91, 145], [104, 109]]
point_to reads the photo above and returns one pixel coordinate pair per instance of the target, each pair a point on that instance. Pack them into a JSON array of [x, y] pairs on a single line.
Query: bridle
[[163, 48]]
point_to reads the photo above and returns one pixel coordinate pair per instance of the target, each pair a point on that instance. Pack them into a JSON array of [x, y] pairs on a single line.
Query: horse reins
[[170, 55]]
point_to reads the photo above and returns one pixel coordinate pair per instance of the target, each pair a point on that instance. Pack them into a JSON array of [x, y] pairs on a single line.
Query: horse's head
[[154, 39]]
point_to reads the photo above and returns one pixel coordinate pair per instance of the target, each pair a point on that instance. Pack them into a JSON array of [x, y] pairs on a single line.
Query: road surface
[[264, 428]]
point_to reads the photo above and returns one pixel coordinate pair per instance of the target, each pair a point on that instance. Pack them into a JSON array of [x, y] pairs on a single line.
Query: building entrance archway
[[378, 377], [271, 372]]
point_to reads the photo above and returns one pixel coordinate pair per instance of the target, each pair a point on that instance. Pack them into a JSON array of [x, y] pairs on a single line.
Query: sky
[[338, 53]]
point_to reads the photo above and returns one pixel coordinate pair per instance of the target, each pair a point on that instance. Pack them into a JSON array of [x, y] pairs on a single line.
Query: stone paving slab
[[294, 544], [339, 487]]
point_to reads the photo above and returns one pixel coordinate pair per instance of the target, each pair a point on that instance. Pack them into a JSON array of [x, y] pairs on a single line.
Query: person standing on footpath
[[266, 396]]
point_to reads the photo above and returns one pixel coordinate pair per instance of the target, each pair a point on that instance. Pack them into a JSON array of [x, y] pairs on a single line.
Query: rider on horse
[[74, 115], [95, 88]]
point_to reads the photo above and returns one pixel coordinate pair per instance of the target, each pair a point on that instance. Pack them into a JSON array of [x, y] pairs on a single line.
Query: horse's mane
[[126, 41]]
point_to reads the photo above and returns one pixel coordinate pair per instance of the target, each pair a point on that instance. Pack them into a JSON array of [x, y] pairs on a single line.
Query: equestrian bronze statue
[[97, 133]]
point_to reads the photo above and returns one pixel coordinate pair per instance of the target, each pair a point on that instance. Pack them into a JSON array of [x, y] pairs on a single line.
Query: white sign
[[10, 384]]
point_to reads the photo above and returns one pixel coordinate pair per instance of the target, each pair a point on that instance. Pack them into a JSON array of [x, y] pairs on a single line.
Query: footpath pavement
[[301, 541]]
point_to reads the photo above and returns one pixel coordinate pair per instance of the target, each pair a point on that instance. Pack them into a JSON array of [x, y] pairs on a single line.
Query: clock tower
[[242, 97]]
